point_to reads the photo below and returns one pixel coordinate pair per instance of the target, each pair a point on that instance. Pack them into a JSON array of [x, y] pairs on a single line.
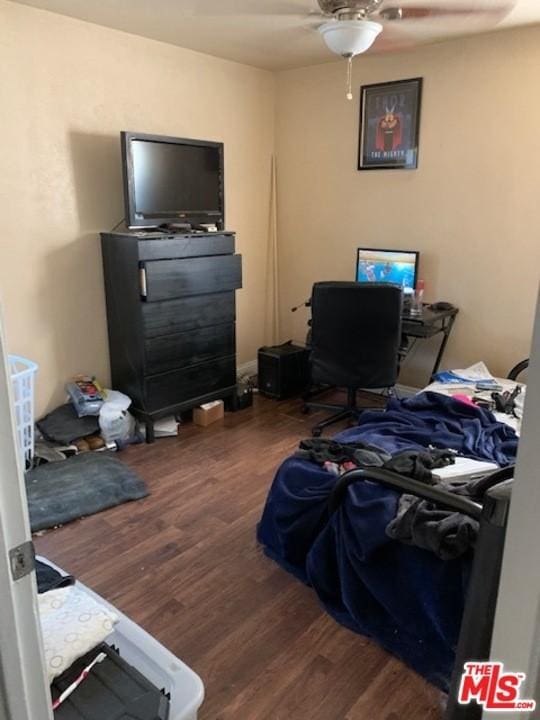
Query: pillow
[[72, 624]]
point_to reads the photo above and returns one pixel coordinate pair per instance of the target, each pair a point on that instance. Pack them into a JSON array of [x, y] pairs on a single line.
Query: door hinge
[[22, 560]]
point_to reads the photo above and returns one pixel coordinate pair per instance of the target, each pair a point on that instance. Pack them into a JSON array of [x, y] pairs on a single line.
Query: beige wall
[[472, 208], [67, 89]]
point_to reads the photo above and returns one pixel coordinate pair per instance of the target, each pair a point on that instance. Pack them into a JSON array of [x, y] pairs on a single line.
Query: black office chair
[[483, 586], [356, 333]]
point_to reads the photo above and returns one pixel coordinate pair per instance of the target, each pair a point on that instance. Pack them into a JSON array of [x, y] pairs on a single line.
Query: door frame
[[516, 633], [24, 691]]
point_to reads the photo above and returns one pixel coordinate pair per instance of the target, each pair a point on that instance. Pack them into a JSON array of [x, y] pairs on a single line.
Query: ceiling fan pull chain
[[349, 77]]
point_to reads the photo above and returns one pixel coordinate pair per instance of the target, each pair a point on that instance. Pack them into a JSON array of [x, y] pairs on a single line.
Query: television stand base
[[176, 227]]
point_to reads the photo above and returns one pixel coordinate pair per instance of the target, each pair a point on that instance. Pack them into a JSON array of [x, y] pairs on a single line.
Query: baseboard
[[405, 391], [400, 391], [247, 369]]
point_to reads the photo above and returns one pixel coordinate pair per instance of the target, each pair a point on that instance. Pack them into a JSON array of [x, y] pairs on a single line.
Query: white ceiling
[[277, 34]]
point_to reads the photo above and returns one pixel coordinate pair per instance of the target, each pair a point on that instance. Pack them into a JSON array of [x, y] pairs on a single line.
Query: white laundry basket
[[22, 377]]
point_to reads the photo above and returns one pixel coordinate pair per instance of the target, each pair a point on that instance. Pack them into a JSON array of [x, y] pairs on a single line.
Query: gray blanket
[[82, 485], [447, 533]]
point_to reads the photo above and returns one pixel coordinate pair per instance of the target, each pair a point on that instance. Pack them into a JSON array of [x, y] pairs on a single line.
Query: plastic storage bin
[[22, 378], [152, 660], [157, 664]]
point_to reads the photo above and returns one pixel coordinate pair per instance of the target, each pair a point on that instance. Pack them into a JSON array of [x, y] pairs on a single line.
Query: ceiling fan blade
[[226, 8], [441, 21], [405, 12], [392, 42], [313, 24]]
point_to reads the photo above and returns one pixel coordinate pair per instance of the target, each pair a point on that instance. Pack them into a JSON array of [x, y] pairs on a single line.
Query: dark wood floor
[[184, 564]]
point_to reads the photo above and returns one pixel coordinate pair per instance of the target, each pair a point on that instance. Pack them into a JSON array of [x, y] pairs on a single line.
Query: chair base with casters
[[350, 411]]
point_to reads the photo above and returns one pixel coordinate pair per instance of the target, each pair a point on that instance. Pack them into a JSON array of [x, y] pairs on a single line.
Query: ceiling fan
[[352, 26]]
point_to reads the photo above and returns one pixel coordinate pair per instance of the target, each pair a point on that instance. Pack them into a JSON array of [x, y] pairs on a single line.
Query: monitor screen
[[166, 179], [392, 266]]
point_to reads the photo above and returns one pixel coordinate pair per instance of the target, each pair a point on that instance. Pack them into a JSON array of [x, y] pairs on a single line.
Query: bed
[[406, 598]]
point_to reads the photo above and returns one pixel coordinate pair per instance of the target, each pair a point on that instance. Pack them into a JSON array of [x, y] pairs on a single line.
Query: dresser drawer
[[181, 386], [198, 311], [168, 279], [171, 352], [178, 246]]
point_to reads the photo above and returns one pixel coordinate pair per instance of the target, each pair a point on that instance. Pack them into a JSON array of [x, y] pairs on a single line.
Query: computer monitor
[[399, 267]]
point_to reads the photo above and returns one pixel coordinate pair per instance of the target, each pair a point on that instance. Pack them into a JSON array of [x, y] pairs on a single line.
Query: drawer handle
[[142, 281]]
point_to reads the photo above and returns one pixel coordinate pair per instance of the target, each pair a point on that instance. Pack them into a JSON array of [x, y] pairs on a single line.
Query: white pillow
[[72, 623]]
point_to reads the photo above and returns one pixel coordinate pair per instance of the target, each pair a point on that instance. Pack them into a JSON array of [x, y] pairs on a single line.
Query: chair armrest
[[517, 369], [404, 484]]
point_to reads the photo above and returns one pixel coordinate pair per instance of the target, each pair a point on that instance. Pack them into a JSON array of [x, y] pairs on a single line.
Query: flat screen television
[[399, 267], [172, 181]]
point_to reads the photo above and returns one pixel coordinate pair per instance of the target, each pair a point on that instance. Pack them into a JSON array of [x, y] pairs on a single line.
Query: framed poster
[[390, 125]]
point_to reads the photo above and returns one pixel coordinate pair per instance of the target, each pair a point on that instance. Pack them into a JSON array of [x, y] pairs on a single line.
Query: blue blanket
[[407, 599], [434, 419]]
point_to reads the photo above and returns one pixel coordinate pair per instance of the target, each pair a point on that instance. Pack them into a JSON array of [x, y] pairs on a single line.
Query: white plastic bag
[[115, 422]]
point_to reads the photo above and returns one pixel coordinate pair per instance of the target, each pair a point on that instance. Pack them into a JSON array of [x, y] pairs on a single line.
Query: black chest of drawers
[[171, 316]]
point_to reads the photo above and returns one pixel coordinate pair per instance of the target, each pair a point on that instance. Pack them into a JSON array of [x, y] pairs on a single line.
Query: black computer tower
[[283, 370]]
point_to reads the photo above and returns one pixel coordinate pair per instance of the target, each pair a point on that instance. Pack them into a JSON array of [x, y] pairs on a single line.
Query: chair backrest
[[356, 334]]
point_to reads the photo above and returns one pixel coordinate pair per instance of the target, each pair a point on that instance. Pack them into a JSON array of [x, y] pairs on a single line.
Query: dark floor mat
[[82, 485]]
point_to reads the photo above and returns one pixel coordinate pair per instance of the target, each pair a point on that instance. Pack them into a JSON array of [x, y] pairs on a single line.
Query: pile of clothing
[[339, 457], [449, 428], [400, 593]]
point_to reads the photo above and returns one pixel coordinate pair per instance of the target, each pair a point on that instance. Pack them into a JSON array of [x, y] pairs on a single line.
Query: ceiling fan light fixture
[[350, 37]]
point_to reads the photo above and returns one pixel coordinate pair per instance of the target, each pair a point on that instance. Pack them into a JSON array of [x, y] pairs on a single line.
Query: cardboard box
[[208, 413]]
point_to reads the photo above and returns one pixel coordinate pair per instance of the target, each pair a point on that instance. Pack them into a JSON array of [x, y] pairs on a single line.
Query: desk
[[426, 325]]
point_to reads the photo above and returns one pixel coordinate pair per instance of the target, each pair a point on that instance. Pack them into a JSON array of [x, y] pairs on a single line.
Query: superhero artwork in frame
[[390, 125]]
